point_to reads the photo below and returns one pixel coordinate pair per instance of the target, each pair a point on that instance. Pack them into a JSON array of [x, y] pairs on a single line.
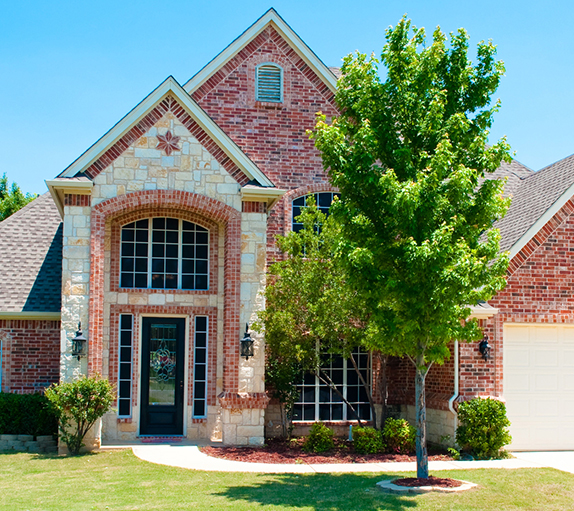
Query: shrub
[[399, 436], [26, 414], [484, 427], [367, 440], [320, 438], [79, 404]]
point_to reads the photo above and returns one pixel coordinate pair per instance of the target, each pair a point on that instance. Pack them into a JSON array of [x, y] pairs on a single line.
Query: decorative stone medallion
[[167, 143]]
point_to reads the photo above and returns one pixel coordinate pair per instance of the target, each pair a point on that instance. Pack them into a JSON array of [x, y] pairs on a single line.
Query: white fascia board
[[59, 186], [52, 316], [478, 312], [169, 86], [541, 222], [270, 17], [269, 195]]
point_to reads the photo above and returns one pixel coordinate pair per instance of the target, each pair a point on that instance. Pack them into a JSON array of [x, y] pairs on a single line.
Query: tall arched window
[[269, 83], [164, 253]]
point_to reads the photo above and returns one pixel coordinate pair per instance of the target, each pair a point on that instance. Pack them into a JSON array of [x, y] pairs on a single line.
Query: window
[[318, 402], [125, 366], [269, 83], [323, 200], [200, 368], [164, 253]]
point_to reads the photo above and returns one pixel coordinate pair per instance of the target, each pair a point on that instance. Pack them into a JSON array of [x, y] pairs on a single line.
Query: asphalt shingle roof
[[533, 193], [31, 258]]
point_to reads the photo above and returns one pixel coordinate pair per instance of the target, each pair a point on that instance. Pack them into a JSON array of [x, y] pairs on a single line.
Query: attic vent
[[269, 83]]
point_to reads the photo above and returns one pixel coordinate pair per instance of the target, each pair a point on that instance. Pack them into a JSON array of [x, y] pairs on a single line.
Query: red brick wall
[[273, 135], [31, 355]]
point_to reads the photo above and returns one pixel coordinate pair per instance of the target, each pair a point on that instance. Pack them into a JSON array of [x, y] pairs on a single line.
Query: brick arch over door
[[209, 208]]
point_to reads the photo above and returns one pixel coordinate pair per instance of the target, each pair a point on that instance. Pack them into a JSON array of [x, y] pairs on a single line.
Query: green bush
[[320, 438], [367, 440], [484, 428], [79, 404], [399, 436], [26, 414]]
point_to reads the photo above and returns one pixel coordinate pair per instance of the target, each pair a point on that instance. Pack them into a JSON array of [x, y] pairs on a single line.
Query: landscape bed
[[280, 451]]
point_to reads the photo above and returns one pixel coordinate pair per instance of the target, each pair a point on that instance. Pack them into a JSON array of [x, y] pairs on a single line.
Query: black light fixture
[[484, 348], [247, 344], [78, 342]]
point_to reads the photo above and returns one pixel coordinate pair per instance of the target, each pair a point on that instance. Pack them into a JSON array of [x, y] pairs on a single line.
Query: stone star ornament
[[167, 143]]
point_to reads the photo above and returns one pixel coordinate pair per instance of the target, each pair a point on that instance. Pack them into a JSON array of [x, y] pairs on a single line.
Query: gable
[[223, 63], [168, 97]]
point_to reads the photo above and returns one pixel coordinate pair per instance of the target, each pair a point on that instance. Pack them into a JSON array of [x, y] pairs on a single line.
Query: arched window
[[323, 200], [164, 253], [269, 83]]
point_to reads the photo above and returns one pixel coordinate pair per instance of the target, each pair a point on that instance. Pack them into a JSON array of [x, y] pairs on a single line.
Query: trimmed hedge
[[368, 440], [26, 414]]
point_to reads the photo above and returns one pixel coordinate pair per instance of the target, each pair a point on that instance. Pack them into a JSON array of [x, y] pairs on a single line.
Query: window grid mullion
[[180, 255], [149, 252], [345, 406]]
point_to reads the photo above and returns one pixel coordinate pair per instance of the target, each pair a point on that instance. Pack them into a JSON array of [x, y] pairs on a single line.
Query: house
[[156, 240]]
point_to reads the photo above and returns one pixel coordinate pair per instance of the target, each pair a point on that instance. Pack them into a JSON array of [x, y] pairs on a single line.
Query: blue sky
[[70, 70]]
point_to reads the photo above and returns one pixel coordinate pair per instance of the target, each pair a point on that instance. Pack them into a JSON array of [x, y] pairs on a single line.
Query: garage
[[539, 385]]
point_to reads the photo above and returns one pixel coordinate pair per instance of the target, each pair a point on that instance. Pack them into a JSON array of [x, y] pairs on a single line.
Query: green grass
[[118, 480]]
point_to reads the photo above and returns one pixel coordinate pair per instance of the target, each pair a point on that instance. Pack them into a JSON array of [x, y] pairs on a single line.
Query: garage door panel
[[545, 383], [545, 357], [546, 408], [518, 382], [539, 386]]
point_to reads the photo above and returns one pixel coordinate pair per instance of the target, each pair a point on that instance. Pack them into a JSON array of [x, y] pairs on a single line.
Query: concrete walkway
[[189, 456]]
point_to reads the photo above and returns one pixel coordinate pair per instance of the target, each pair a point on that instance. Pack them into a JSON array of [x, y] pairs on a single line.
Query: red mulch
[[428, 481], [279, 451]]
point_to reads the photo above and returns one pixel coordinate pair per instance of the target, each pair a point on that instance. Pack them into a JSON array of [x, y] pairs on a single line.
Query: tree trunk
[[421, 411], [383, 359]]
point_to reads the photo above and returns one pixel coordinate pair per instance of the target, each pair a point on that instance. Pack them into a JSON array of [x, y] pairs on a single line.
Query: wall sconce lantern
[[484, 348], [247, 344], [78, 343]]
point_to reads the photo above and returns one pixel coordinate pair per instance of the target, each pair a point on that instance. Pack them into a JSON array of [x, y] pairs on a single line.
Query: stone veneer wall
[[142, 181], [31, 355]]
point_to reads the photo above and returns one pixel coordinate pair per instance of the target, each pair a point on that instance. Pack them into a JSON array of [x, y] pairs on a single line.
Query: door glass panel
[[162, 361]]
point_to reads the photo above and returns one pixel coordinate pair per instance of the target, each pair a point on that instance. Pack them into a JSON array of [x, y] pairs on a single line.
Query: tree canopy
[[410, 154], [11, 198]]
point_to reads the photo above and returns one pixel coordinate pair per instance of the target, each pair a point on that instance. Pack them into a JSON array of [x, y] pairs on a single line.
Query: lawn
[[118, 480]]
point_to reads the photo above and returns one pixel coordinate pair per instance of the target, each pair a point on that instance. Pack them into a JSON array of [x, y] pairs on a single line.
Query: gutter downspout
[[455, 395]]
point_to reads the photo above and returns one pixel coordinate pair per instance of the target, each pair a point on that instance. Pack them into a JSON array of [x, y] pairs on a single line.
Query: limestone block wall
[[143, 166], [75, 281], [440, 424]]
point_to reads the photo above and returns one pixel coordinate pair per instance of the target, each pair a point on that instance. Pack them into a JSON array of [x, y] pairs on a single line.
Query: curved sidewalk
[[190, 457]]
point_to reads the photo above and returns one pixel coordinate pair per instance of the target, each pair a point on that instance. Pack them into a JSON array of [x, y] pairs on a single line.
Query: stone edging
[[390, 487], [27, 443]]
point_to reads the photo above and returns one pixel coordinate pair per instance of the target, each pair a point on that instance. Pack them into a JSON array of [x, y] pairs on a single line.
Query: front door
[[163, 347]]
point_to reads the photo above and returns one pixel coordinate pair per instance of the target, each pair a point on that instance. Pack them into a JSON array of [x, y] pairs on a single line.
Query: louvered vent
[[269, 83]]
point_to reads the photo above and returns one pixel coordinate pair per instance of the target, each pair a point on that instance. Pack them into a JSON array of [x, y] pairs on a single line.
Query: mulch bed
[[443, 482], [280, 451]]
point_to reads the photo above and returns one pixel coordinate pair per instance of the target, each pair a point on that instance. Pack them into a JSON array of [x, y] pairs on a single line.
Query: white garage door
[[539, 386]]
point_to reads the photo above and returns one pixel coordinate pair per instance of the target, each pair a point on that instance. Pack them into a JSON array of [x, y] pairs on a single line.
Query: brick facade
[[30, 355]]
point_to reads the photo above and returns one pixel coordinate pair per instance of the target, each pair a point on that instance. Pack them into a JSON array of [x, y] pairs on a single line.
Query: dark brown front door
[[163, 346]]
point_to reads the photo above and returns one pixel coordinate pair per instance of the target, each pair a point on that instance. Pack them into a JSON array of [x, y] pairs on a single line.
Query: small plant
[[367, 440], [79, 404], [484, 428], [320, 439], [399, 436]]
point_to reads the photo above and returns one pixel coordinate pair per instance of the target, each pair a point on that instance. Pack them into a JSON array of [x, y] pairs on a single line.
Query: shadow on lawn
[[333, 492]]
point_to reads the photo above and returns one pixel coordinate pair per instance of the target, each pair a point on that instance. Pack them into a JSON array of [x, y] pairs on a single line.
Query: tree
[[310, 314], [11, 198], [409, 155]]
